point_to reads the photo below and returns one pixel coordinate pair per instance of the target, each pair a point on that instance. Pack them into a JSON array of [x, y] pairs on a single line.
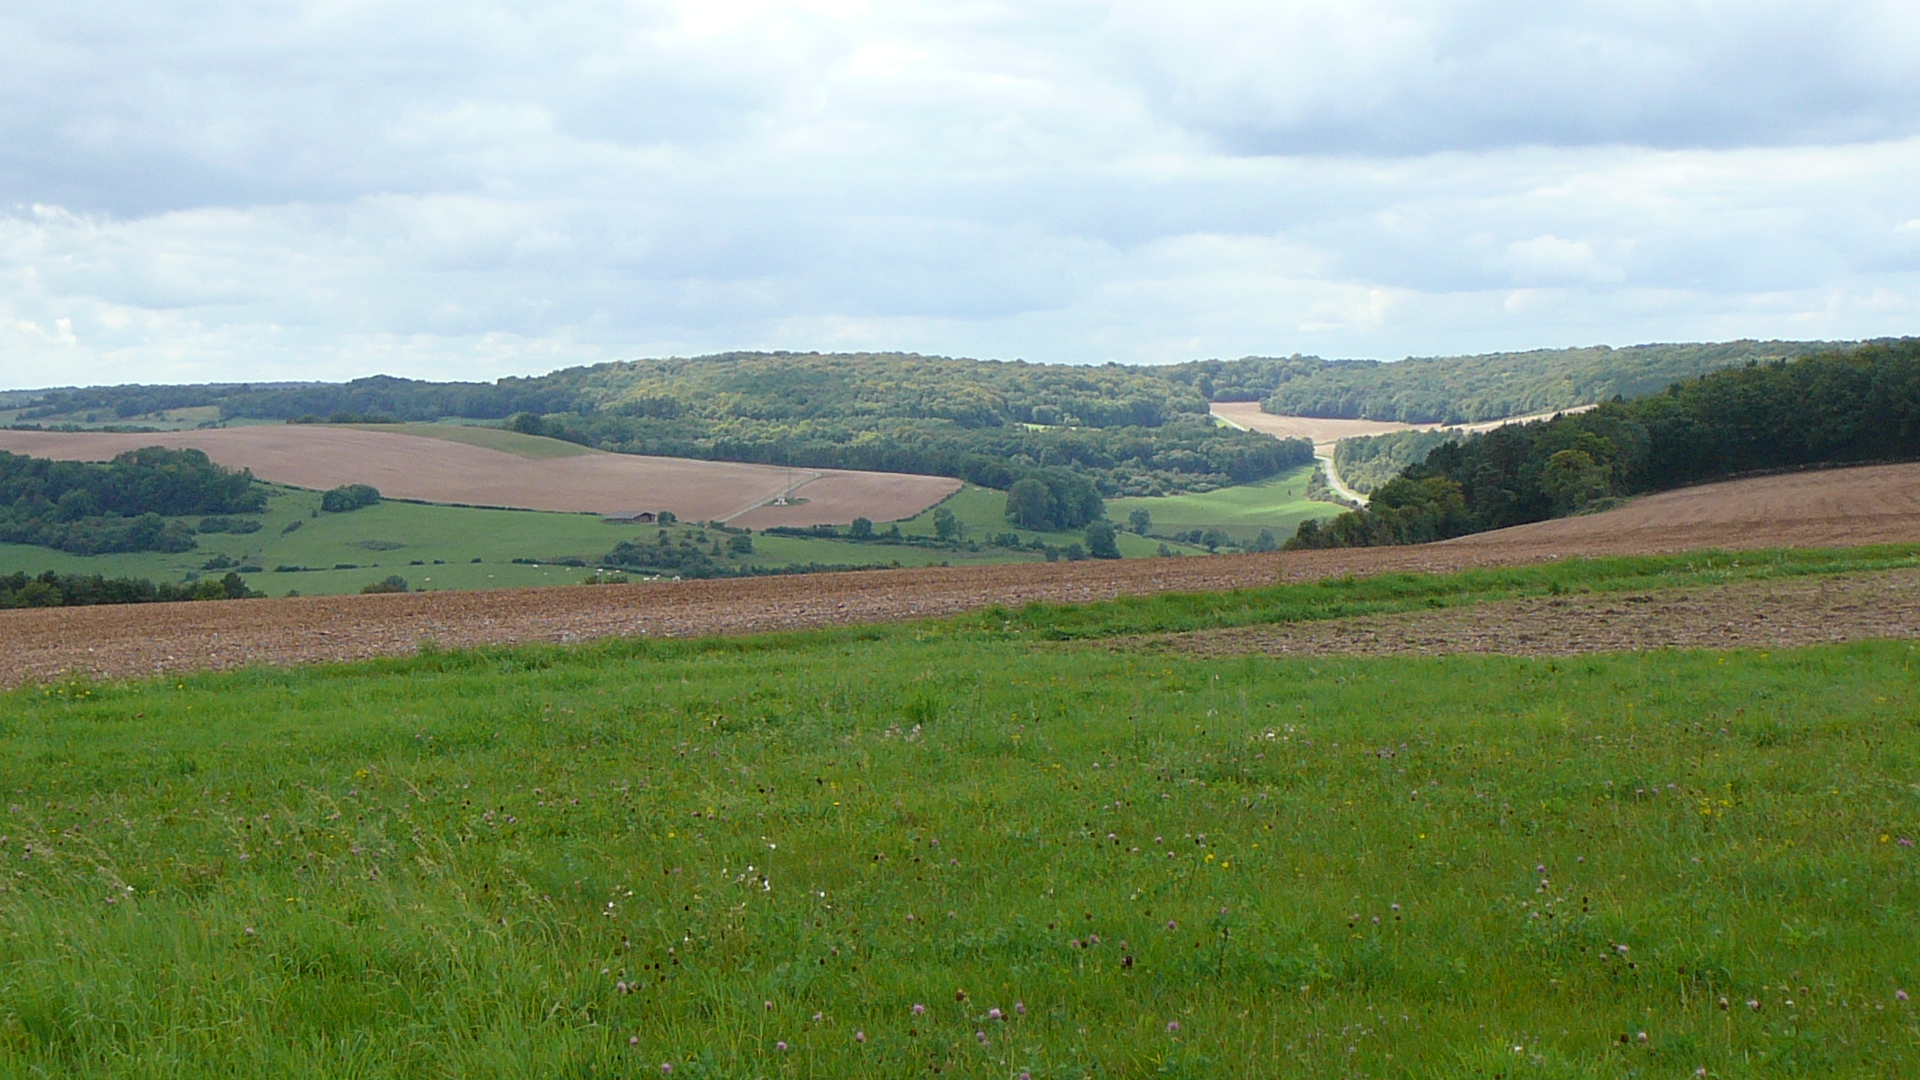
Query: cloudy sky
[[250, 189]]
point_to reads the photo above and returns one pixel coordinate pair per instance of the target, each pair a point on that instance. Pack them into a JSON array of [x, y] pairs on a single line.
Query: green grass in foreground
[[756, 857]]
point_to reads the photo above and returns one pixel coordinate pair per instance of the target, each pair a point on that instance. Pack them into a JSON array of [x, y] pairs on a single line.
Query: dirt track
[[1816, 509], [411, 467]]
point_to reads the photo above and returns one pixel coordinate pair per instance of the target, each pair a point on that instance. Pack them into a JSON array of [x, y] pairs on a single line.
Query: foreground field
[[960, 850], [507, 473]]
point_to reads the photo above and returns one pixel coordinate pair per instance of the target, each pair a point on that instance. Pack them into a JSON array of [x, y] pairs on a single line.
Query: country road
[[1338, 485]]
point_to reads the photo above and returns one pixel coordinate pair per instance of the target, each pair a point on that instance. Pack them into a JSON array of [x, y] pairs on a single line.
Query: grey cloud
[[1412, 77], [306, 190]]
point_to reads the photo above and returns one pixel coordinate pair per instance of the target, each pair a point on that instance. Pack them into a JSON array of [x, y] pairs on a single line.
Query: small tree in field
[[945, 525], [1139, 519], [861, 529]]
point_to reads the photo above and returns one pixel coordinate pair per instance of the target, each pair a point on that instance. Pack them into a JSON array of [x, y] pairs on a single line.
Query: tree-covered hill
[[1469, 389], [1129, 430], [1847, 406]]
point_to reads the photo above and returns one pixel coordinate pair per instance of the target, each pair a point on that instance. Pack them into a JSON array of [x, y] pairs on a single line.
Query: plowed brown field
[[1757, 615], [437, 470], [1814, 509]]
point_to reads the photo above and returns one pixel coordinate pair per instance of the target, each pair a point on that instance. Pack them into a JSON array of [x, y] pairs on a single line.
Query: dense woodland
[[1365, 462], [1127, 430], [134, 503], [1855, 405], [1468, 389]]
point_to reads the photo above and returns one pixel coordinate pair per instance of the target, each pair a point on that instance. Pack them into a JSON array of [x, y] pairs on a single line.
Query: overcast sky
[[195, 190]]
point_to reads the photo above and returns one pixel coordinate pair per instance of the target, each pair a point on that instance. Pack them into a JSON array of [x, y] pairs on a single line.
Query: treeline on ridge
[[1469, 389], [20, 590], [1133, 430], [1850, 406], [90, 508]]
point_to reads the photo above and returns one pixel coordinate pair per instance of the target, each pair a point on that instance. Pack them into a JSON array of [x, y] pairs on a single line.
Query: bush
[[349, 497], [392, 583]]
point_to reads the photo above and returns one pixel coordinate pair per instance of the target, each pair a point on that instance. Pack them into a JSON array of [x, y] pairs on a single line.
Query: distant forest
[[1128, 430], [1365, 462], [1852, 405], [133, 503], [1469, 389]]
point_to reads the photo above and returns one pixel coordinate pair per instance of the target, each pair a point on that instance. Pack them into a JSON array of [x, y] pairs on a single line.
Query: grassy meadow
[[970, 848], [433, 547], [1241, 511], [983, 514]]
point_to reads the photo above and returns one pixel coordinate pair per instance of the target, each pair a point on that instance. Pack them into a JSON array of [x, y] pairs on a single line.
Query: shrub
[[349, 497], [392, 583]]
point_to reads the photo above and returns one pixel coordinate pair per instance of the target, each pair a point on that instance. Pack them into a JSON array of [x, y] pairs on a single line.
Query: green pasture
[[960, 849], [1241, 511], [983, 513], [435, 547]]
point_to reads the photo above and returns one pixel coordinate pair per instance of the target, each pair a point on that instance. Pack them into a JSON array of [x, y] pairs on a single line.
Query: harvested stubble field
[[1325, 431], [1874, 505], [440, 470]]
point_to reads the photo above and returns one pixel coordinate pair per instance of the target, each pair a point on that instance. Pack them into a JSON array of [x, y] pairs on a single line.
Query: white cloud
[[243, 190]]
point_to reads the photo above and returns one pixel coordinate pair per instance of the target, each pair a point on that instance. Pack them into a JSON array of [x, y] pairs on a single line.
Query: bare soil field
[[438, 470], [1821, 508], [1836, 508], [1751, 615]]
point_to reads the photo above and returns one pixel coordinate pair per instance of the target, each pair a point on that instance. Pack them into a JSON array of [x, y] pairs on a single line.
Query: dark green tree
[[1101, 542]]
